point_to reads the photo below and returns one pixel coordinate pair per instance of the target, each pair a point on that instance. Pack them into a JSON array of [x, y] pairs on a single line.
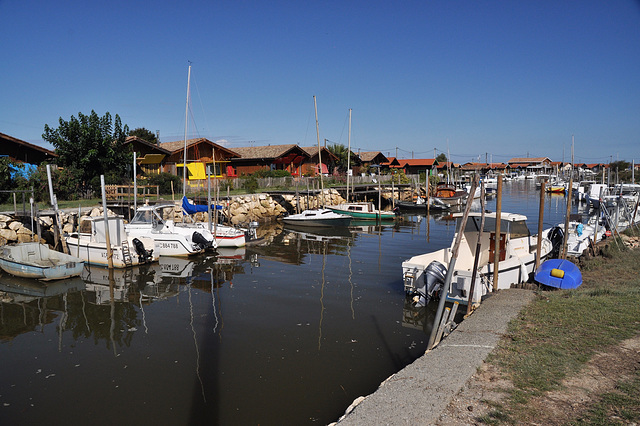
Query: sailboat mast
[[349, 156], [186, 124], [315, 107]]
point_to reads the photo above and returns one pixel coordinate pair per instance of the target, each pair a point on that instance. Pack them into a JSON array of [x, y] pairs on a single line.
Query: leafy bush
[[163, 180], [250, 184], [7, 181], [66, 183], [271, 173]]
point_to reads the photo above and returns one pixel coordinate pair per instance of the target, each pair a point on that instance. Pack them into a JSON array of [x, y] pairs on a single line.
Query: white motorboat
[[318, 218], [582, 189], [581, 236], [362, 210], [596, 190], [170, 240], [424, 274], [89, 243]]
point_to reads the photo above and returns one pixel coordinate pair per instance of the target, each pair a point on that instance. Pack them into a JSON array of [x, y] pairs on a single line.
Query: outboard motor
[[556, 236], [144, 255], [433, 276], [200, 240]]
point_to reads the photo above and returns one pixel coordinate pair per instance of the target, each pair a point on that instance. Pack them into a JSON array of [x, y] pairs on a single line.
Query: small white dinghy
[[38, 261]]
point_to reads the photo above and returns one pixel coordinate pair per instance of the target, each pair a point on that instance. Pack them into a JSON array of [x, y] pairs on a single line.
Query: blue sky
[[482, 79]]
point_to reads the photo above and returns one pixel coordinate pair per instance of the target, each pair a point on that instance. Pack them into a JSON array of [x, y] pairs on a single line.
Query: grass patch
[[622, 406], [558, 333]]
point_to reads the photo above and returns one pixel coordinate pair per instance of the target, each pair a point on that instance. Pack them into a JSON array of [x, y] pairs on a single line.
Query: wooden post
[[496, 246], [540, 220], [476, 258], [566, 219], [428, 197], [106, 225]]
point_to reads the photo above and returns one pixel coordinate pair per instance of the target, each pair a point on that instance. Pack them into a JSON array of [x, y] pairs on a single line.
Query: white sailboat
[[323, 217], [219, 235]]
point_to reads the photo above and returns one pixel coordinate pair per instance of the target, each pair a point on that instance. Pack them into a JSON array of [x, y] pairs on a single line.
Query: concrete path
[[419, 393]]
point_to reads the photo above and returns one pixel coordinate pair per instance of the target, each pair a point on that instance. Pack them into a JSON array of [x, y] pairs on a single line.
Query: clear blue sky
[[496, 79]]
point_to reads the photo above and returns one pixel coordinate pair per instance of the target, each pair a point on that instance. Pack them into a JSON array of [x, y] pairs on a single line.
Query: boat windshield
[[516, 228], [146, 216]]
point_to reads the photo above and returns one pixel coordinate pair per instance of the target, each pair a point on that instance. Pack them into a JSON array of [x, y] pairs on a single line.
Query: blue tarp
[[190, 208]]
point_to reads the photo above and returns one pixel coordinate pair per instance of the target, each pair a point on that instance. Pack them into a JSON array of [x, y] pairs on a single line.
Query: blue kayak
[[559, 273]]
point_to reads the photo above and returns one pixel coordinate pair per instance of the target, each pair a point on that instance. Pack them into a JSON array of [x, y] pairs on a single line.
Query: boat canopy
[[190, 208]]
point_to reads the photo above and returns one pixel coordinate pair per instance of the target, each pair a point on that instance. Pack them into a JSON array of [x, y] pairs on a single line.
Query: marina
[[287, 332]]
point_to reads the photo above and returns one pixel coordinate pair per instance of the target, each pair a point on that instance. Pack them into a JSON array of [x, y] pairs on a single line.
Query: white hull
[[95, 253], [519, 260]]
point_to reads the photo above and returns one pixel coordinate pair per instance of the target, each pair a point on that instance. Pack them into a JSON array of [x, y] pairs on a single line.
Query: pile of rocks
[[331, 198], [12, 231]]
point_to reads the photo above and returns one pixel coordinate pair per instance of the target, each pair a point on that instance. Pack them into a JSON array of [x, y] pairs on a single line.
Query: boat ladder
[[126, 253], [410, 280]]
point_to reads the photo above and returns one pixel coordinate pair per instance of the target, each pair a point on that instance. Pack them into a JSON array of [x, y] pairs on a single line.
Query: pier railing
[[125, 192]]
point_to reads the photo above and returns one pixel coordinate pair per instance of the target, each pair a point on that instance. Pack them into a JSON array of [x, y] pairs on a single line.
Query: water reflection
[[288, 331]]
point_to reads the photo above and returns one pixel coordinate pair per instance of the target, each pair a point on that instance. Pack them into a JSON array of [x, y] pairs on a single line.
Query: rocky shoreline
[[240, 210]]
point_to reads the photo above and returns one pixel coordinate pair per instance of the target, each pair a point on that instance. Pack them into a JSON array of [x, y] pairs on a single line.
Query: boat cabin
[[513, 230], [96, 228]]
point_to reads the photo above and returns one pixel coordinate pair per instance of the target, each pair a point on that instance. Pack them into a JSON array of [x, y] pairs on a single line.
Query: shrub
[[163, 180], [250, 184]]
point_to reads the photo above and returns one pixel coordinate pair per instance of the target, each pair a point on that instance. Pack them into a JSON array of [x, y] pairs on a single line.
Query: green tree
[[145, 134], [90, 146], [441, 158], [8, 171], [620, 166], [342, 153]]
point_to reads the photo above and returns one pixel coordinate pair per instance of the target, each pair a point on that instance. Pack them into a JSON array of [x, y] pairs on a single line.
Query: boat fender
[[558, 273]]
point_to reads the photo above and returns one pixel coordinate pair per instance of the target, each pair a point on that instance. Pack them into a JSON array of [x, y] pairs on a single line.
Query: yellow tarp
[[196, 171]]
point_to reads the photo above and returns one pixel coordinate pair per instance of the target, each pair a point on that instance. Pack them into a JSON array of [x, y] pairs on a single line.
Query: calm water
[[289, 332]]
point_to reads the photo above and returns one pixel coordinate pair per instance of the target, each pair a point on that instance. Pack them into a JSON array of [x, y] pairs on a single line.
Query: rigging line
[[201, 107]]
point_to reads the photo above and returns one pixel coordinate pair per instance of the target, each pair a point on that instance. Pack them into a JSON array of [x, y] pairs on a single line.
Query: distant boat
[[559, 273], [317, 218], [449, 194], [555, 189], [362, 210], [35, 260], [435, 205]]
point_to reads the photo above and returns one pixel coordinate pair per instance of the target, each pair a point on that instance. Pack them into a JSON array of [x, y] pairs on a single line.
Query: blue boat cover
[[190, 208], [571, 275]]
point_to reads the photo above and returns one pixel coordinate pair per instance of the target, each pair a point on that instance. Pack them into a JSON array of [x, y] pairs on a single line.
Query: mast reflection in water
[[288, 332]]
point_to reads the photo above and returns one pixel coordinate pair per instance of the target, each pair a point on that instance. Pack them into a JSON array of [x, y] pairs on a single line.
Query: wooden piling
[[476, 258], [540, 220], [496, 245]]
